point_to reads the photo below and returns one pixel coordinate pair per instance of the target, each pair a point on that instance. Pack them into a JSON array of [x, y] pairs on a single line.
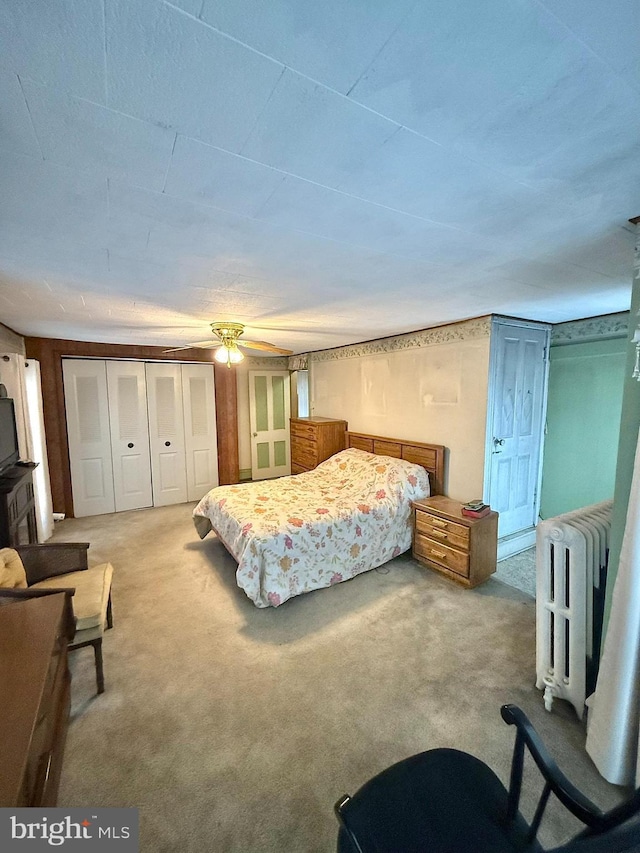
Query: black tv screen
[[9, 454]]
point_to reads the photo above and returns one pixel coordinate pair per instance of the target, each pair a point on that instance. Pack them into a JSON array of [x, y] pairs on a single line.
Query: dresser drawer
[[300, 430], [447, 532], [443, 555], [303, 452], [298, 469]]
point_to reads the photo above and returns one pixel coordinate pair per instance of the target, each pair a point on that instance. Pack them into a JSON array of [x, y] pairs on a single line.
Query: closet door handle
[[167, 444], [130, 445]]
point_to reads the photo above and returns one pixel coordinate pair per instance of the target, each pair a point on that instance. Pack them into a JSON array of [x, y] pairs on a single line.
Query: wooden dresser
[[313, 440], [464, 549], [34, 698]]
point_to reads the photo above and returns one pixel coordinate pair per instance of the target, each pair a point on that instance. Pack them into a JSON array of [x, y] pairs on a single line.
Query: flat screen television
[[9, 453]]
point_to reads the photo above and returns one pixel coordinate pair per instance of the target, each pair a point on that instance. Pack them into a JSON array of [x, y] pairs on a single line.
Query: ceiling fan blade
[[198, 345], [263, 345]]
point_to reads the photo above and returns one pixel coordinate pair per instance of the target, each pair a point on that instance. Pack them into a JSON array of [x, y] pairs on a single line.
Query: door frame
[[520, 540]]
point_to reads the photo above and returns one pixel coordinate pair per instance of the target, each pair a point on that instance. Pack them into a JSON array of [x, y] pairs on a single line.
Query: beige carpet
[[236, 729]]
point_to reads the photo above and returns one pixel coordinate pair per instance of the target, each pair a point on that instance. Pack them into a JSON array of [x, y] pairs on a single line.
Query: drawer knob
[[439, 554], [438, 523], [441, 534]]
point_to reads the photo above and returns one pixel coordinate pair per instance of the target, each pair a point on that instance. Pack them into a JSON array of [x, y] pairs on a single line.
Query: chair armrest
[[573, 799], [54, 559]]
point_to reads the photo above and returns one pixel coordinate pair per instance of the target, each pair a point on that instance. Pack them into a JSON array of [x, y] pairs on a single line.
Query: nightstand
[[462, 548]]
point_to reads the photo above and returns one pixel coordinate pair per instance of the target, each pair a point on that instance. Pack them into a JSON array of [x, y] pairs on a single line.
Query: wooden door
[[87, 411], [126, 384], [518, 399], [269, 410], [201, 448], [166, 433]]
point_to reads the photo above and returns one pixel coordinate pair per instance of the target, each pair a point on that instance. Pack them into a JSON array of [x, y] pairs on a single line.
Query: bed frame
[[430, 456]]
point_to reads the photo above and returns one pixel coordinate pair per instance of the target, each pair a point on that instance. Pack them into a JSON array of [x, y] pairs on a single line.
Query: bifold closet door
[[127, 388], [201, 447], [87, 407], [166, 433]]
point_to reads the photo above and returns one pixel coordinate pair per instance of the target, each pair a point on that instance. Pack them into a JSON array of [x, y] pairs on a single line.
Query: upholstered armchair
[[31, 570]]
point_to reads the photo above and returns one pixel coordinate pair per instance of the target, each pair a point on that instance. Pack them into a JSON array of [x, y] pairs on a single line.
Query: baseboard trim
[[517, 542]]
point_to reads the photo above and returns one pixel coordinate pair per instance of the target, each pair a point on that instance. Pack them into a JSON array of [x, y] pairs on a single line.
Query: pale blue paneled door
[[516, 420]]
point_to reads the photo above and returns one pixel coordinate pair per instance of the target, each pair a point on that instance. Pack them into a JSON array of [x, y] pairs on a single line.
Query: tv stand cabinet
[[17, 507]]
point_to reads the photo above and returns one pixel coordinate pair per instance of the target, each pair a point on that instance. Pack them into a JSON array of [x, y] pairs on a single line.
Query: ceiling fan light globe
[[228, 355], [221, 355]]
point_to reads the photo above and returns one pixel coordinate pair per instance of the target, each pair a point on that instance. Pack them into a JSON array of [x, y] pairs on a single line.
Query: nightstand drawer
[[443, 555], [443, 531]]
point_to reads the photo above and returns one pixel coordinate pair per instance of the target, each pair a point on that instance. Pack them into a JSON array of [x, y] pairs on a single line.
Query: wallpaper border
[[478, 327], [275, 362], [591, 329]]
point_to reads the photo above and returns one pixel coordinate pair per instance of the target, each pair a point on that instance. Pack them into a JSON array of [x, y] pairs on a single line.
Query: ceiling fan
[[227, 344]]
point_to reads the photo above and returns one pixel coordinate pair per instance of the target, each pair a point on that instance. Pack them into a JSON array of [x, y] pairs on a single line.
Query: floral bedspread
[[304, 532]]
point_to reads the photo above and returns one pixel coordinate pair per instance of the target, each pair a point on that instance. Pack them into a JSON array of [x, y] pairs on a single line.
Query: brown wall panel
[[50, 352]]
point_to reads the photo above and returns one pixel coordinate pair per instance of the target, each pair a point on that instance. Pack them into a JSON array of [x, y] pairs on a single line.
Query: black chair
[[446, 801]]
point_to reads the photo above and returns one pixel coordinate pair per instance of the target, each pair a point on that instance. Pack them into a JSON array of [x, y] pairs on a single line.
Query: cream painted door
[[87, 410], [166, 433], [127, 388], [518, 399], [201, 447], [269, 410]]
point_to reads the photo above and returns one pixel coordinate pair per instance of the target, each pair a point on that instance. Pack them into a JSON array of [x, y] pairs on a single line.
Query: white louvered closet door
[[87, 407], [166, 433], [126, 383], [199, 429]]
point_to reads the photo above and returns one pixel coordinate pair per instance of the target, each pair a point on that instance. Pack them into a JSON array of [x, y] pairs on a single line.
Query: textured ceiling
[[325, 172]]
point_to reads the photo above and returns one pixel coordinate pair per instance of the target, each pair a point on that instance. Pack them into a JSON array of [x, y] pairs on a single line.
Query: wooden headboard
[[430, 456]]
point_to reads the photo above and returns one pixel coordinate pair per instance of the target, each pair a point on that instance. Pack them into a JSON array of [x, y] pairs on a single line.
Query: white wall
[[10, 341], [435, 392]]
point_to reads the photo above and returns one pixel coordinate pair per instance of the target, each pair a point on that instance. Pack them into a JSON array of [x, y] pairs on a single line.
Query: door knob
[[499, 441], [130, 445], [255, 434], [167, 444]]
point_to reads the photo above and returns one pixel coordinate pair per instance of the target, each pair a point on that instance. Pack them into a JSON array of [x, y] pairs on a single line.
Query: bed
[[308, 531]]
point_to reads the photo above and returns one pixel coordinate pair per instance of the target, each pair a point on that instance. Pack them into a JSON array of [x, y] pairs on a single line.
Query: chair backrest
[[12, 573], [615, 831]]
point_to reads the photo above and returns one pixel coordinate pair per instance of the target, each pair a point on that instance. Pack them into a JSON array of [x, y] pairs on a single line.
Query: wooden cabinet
[[34, 697], [464, 549], [313, 440], [17, 507]]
